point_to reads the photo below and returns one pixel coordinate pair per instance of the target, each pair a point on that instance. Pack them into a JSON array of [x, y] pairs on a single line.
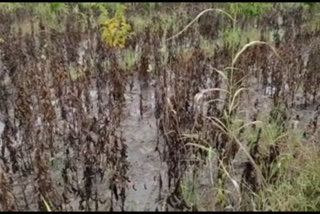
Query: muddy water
[[140, 133], [1, 127]]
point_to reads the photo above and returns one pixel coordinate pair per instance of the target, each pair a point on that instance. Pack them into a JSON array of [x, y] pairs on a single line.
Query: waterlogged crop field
[[159, 106]]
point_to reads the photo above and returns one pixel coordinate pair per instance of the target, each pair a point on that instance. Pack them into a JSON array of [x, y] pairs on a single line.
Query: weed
[[116, 30]]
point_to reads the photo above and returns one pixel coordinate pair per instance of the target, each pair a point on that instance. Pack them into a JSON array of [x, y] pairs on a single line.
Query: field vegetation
[[159, 106]]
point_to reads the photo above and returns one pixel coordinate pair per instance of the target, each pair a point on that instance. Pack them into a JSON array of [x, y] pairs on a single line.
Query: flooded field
[[181, 117]]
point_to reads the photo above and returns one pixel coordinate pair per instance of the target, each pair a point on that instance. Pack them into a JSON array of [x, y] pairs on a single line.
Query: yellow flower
[[116, 31]]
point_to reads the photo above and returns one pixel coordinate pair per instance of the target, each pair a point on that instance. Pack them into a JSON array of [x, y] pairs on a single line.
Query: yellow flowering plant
[[116, 31]]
